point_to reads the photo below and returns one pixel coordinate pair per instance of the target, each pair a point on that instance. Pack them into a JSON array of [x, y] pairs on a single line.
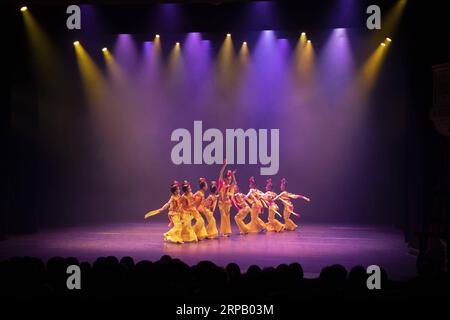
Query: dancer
[[174, 206], [254, 197], [187, 233], [242, 207], [189, 205], [209, 206], [285, 197], [225, 194], [272, 223]]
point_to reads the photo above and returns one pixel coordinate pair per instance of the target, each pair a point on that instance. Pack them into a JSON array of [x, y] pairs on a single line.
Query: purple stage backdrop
[[109, 157]]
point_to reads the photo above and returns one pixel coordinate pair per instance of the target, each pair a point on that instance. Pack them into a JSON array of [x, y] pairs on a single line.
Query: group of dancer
[[189, 206]]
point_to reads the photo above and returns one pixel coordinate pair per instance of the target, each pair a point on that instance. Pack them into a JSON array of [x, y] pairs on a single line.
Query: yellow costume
[[189, 208], [175, 210], [200, 226], [285, 198], [174, 234], [272, 223], [256, 224], [244, 209], [188, 233], [224, 207], [208, 207]]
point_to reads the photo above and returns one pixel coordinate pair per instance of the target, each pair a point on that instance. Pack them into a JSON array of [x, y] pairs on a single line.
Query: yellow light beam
[[391, 21], [244, 56], [175, 60], [157, 51], [117, 74], [47, 61], [304, 58], [225, 62], [93, 81], [369, 72]]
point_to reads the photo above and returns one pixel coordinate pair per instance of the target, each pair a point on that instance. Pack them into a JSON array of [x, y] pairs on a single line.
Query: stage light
[[23, 9], [105, 49], [76, 43], [177, 44], [157, 36], [383, 44], [244, 43], [303, 34], [228, 34], [309, 41], [388, 39]]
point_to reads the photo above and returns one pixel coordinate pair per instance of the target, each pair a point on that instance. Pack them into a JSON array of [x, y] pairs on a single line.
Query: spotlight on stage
[[303, 34], [228, 35], [388, 39], [309, 41], [177, 44], [383, 44], [23, 9], [76, 43], [105, 49], [157, 36], [244, 43]]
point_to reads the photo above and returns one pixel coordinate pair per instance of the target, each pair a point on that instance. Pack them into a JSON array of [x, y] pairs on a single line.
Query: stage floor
[[313, 245]]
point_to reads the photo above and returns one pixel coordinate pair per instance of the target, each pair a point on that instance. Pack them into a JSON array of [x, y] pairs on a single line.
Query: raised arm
[[222, 170]]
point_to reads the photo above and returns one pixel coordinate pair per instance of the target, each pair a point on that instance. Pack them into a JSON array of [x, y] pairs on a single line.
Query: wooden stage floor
[[314, 246]]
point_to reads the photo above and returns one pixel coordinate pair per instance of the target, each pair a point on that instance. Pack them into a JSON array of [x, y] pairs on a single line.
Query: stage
[[313, 245]]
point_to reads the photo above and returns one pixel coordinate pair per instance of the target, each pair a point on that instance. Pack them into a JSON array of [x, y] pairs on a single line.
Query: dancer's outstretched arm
[[250, 195], [164, 207], [277, 196], [296, 196], [222, 170]]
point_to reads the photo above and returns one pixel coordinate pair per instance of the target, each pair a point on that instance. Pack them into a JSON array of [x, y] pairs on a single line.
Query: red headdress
[[284, 182], [229, 173], [186, 183], [175, 183], [252, 181], [213, 183], [201, 180], [269, 184]]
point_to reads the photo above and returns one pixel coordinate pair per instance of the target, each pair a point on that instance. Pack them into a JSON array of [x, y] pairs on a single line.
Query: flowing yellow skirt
[[225, 223], [199, 225], [273, 224], [211, 227], [239, 219], [256, 224], [174, 234], [288, 223], [187, 232]]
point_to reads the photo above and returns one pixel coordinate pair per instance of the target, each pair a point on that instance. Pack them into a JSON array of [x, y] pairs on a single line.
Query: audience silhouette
[[168, 278]]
